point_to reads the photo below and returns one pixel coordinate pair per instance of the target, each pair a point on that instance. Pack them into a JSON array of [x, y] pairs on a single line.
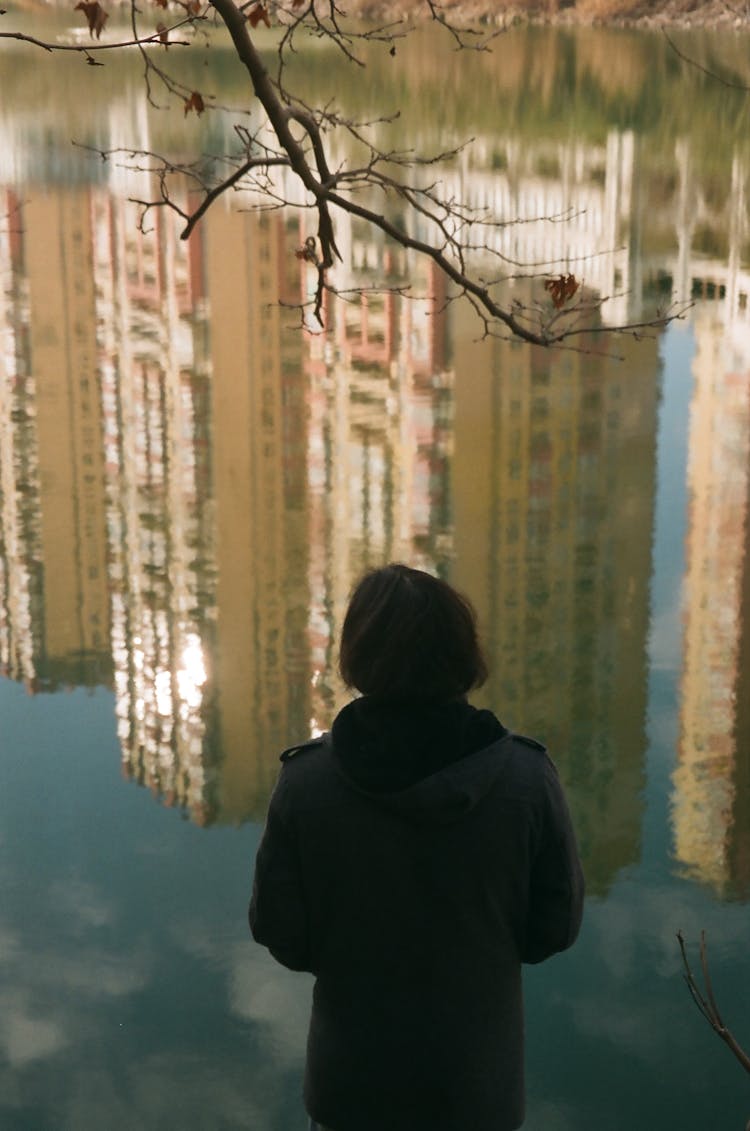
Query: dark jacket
[[411, 861]]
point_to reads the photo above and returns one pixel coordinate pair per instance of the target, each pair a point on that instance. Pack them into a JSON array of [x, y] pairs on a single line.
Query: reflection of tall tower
[[154, 395], [259, 445], [710, 805], [21, 566], [553, 489], [62, 333], [379, 441], [738, 840]]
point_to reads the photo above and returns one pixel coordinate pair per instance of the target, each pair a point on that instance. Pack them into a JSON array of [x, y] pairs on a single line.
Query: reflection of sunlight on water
[[191, 676], [163, 690]]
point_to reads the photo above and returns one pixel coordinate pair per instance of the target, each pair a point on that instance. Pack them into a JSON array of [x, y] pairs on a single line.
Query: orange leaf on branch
[[161, 3], [163, 34], [561, 289], [258, 13], [195, 102], [95, 15], [308, 252]]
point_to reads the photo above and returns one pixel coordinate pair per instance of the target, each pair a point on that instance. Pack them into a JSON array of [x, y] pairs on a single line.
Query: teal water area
[[189, 486]]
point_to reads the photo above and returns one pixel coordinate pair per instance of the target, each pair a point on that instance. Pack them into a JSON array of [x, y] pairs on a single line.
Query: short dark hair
[[409, 635]]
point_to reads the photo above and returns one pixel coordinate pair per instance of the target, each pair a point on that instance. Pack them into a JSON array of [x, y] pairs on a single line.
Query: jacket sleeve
[[556, 887], [277, 913]]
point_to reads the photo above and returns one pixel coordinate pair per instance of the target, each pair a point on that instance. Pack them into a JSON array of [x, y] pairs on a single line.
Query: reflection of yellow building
[[379, 441], [738, 840], [259, 424], [62, 339], [553, 480], [55, 627], [204, 416], [711, 811]]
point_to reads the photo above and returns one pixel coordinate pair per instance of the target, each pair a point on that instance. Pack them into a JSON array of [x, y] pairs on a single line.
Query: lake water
[[190, 484]]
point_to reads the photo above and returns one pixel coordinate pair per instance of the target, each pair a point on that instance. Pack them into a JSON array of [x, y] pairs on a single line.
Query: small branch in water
[[707, 1004]]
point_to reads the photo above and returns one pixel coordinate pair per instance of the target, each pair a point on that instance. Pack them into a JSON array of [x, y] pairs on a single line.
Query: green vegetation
[[543, 83]]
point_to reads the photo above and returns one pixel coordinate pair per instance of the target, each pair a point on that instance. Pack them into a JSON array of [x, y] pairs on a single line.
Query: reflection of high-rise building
[[55, 626], [62, 338], [710, 805], [154, 394], [553, 485], [379, 440], [259, 423], [21, 563], [738, 839], [204, 413]]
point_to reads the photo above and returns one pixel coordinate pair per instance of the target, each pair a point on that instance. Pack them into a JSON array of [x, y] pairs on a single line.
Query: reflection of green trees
[[556, 82], [539, 82]]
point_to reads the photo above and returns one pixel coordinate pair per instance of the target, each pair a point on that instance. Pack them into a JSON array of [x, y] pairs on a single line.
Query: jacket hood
[[433, 761]]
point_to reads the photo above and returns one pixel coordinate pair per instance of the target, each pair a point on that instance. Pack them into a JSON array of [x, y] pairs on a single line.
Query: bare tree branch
[[367, 185], [707, 1005], [699, 66]]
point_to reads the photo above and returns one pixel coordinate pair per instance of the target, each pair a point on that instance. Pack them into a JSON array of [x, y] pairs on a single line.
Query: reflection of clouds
[[25, 1037], [633, 935], [551, 1117], [55, 984], [9, 944], [259, 990], [637, 927], [64, 1055], [665, 635], [619, 1003], [265, 993], [169, 1090], [80, 904]]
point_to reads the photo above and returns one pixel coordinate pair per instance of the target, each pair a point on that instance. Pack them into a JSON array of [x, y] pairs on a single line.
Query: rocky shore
[[623, 13]]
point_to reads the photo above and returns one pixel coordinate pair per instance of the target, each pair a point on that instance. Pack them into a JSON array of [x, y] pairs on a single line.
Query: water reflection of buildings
[[259, 423], [20, 538], [154, 385], [56, 624], [554, 472], [711, 799], [206, 519], [379, 447], [211, 515], [564, 206]]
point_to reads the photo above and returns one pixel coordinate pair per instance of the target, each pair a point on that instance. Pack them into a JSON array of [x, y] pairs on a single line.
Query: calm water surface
[[189, 486]]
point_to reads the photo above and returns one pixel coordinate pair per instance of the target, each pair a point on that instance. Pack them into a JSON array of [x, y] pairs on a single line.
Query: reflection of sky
[[678, 348], [665, 640], [129, 996]]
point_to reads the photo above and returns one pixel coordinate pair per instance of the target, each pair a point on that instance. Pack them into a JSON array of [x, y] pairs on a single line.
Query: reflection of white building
[[539, 209], [152, 376], [723, 281], [559, 206], [20, 535]]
